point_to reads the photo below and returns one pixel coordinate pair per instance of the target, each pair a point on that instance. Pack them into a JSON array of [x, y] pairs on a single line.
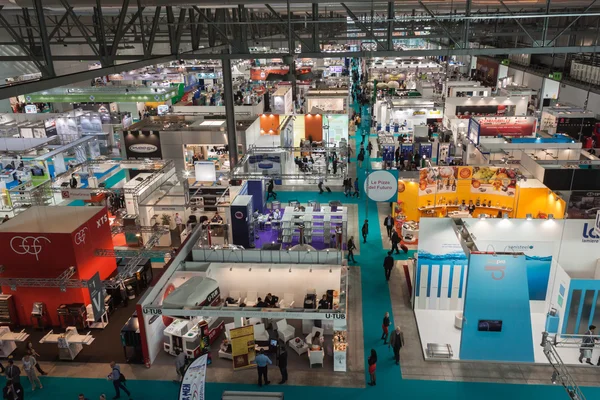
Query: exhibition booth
[[327, 101], [569, 120], [505, 149], [471, 192], [18, 177], [486, 289], [214, 307], [407, 116]]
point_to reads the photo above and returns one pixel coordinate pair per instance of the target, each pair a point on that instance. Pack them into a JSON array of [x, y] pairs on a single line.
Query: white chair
[[316, 357], [287, 301], [236, 296], [458, 320], [253, 321], [310, 336], [229, 326], [260, 334], [285, 331], [251, 299]]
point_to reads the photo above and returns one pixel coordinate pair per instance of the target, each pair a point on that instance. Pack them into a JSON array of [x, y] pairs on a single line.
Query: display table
[[410, 232], [69, 343], [298, 345], [8, 340]]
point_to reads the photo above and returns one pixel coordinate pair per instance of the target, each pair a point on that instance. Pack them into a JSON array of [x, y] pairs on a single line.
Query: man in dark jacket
[[396, 343], [283, 365], [350, 247], [395, 241], [365, 230], [388, 265], [388, 222]]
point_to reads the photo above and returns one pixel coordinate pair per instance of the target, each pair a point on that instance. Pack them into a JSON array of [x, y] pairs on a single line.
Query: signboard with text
[[381, 186], [242, 347]]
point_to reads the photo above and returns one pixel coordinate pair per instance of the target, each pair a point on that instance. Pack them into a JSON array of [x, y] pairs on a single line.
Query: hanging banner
[[242, 347], [194, 380]]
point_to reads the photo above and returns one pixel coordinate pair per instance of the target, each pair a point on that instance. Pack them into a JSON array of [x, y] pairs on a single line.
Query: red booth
[[44, 242]]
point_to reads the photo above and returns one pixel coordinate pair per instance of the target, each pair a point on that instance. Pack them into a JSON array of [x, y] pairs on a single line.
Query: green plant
[[166, 219]]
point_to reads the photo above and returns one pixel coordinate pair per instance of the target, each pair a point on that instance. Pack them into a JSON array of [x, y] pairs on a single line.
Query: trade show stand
[[461, 311], [291, 317]]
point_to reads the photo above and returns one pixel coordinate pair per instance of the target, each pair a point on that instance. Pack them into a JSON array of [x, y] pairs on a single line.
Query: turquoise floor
[[376, 301]]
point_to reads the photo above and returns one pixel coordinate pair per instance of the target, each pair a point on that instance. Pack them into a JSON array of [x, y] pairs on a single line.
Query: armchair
[[260, 334], [228, 327], [310, 336], [316, 357], [236, 296], [251, 299], [287, 301], [285, 331]]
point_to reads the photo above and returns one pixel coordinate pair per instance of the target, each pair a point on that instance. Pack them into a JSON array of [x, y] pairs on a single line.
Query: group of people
[[396, 343], [348, 186]]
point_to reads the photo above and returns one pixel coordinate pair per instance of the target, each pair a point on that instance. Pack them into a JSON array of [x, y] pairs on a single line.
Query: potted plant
[[165, 219]]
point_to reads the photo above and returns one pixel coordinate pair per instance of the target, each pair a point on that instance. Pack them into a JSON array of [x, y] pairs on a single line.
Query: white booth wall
[[520, 103]]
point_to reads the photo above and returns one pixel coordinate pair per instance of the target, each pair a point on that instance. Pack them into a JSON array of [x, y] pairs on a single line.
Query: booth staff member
[[323, 303], [261, 364], [73, 182], [471, 207], [587, 344], [283, 365], [389, 223]]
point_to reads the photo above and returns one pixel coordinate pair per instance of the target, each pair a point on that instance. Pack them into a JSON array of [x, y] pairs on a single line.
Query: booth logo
[[28, 245], [239, 215], [590, 235], [80, 236], [143, 148], [101, 221]]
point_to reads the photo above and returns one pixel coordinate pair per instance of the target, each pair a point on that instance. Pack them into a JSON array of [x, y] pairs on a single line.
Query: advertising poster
[[583, 204], [140, 145], [442, 179], [497, 181], [473, 132], [508, 126], [50, 126], [242, 347], [194, 380], [497, 315]]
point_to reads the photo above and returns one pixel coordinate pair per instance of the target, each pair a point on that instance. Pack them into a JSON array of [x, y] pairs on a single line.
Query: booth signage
[[242, 347], [381, 186], [95, 288], [597, 223], [142, 145], [32, 245], [76, 194], [192, 386], [239, 312], [31, 109]]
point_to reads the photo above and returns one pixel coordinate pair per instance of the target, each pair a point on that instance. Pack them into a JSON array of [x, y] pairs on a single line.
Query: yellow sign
[[242, 347]]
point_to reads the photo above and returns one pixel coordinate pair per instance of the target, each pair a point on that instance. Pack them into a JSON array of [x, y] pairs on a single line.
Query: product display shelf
[[316, 223], [340, 347], [7, 310], [425, 208]]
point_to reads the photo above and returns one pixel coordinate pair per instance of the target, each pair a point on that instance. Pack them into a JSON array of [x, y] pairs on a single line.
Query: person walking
[[31, 351], [369, 148], [388, 222], [350, 247], [360, 157], [396, 343], [365, 230], [356, 190], [82, 397], [13, 391], [179, 365], [283, 365], [261, 365], [118, 380], [270, 192], [388, 265], [587, 344], [372, 360], [29, 368], [320, 186], [395, 241], [385, 326]]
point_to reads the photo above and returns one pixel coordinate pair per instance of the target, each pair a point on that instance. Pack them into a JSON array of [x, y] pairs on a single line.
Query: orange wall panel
[[313, 127]]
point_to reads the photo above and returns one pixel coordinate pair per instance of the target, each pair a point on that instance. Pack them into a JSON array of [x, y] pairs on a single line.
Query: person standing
[[360, 157], [179, 222], [82, 397], [356, 190], [31, 351], [13, 390], [395, 241], [12, 371], [350, 247], [283, 365], [179, 365], [270, 192], [261, 364], [29, 368], [369, 148], [385, 326], [320, 186], [365, 230], [587, 344], [396, 343], [118, 380], [388, 265], [372, 360], [388, 222]]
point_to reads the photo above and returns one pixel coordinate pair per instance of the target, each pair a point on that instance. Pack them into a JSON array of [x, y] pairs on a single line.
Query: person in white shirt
[[180, 365], [29, 368], [178, 222]]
